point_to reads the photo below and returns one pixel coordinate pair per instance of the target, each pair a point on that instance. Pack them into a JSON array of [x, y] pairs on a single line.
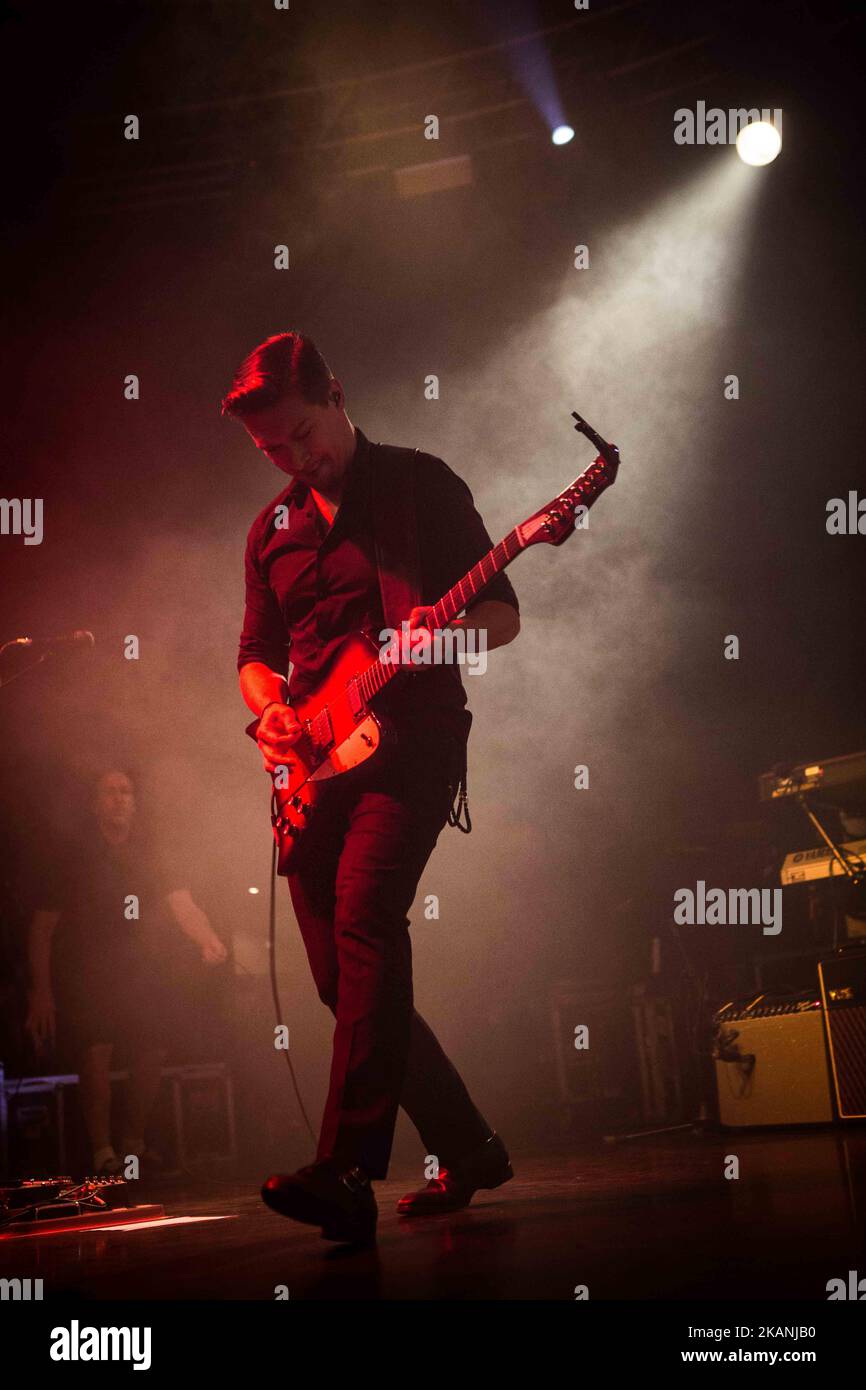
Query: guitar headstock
[[554, 523]]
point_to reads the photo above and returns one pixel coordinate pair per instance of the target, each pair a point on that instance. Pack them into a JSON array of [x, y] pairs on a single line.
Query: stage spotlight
[[758, 143], [562, 135]]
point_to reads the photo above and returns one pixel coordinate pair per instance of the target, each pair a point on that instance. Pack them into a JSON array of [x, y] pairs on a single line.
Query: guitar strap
[[398, 560], [395, 531]]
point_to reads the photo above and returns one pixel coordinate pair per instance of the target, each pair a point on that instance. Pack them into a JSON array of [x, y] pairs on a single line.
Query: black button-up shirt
[[309, 585]]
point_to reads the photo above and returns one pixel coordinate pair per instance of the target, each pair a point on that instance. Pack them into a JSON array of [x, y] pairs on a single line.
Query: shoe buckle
[[356, 1180]]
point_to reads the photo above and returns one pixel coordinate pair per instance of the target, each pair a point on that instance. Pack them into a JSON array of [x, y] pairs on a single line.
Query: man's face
[[115, 799], [306, 441]]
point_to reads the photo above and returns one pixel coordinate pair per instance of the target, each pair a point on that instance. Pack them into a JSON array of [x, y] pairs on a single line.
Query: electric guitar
[[340, 727]]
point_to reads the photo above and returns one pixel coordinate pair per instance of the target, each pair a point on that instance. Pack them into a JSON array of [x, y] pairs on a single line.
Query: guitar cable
[[278, 1008]]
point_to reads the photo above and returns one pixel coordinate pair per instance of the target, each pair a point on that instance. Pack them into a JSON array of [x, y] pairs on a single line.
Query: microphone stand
[[44, 654], [19, 642]]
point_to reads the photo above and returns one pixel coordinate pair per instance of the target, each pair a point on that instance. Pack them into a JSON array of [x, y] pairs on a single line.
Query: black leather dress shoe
[[487, 1167], [341, 1202]]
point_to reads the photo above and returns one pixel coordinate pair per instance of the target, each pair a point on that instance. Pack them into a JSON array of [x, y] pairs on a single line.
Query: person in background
[[112, 899]]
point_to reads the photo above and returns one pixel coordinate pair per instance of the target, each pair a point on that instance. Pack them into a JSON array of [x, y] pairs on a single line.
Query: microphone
[[81, 637]]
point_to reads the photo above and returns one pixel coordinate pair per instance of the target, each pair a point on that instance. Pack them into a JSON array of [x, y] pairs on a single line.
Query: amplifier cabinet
[[843, 993], [775, 1070]]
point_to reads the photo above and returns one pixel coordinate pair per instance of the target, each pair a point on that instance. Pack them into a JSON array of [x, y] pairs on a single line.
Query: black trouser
[[351, 889]]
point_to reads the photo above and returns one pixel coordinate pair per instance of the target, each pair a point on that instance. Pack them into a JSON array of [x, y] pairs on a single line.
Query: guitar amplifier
[[771, 1063], [843, 993]]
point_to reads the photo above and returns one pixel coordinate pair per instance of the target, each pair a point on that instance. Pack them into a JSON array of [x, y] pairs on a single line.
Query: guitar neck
[[552, 524], [467, 589], [380, 672]]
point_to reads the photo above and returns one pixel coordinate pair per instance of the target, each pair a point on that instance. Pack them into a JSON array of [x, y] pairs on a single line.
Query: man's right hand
[[40, 1022], [277, 731]]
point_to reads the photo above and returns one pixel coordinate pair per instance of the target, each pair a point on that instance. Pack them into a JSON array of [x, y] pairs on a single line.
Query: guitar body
[[340, 733]]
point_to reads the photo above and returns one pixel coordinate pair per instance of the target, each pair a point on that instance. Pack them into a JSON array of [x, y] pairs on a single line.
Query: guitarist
[[312, 581]]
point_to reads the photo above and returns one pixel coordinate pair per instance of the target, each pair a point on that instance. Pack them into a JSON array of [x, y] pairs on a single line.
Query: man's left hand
[[419, 656]]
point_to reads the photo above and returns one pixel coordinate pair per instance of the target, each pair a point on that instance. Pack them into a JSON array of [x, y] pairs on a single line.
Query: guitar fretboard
[[380, 672]]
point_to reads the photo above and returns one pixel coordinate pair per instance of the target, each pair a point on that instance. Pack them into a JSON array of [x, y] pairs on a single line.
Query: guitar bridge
[[320, 731]]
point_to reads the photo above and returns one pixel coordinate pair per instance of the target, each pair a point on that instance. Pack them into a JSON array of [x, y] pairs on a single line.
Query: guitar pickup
[[356, 700]]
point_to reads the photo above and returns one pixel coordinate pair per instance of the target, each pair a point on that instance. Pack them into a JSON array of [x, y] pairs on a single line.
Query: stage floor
[[644, 1219]]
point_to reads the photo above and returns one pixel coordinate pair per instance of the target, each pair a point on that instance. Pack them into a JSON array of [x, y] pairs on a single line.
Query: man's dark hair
[[282, 364]]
